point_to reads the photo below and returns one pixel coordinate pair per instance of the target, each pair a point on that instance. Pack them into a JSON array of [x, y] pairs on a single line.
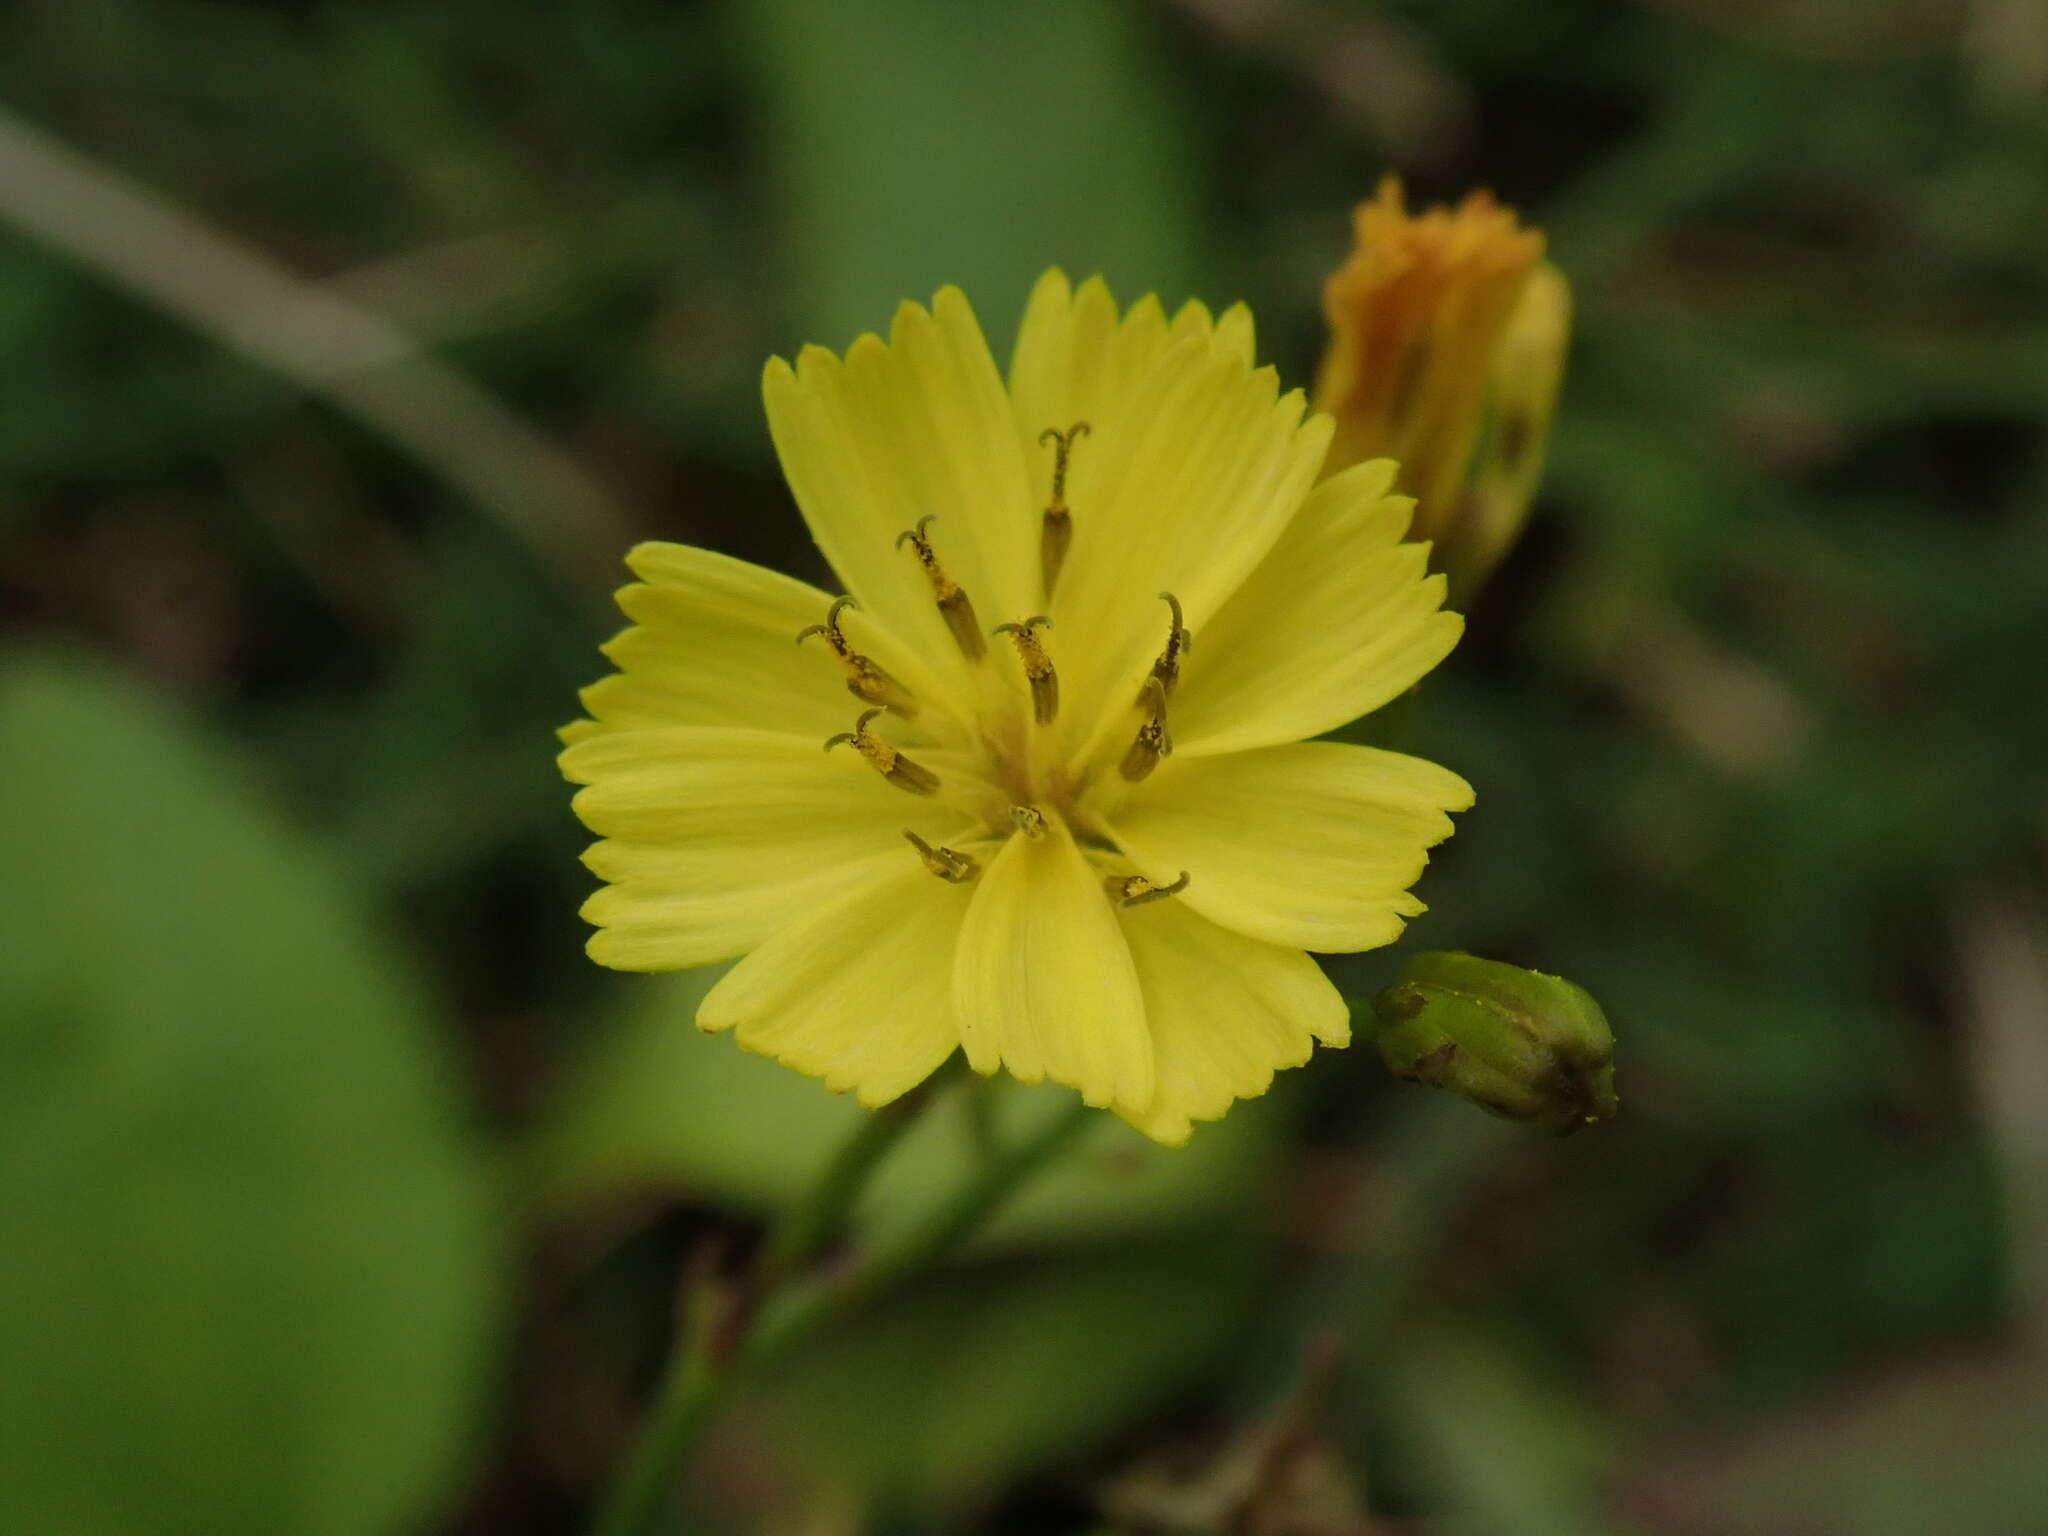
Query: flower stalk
[[721, 1345]]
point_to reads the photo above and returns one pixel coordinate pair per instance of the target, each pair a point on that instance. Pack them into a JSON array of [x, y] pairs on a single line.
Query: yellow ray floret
[[1075, 831]]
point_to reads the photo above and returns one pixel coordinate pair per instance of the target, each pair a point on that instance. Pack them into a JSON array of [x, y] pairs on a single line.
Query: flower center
[[999, 759]]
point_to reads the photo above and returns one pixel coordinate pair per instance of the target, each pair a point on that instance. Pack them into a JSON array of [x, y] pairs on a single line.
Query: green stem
[[701, 1376], [923, 1245], [707, 1333], [805, 1228], [673, 1421]]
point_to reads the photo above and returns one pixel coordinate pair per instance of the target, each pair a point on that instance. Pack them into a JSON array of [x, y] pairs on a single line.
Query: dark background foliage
[[348, 347]]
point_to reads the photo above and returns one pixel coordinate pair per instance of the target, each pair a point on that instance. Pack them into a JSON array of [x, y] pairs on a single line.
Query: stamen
[[954, 606], [886, 760], [1153, 740], [1057, 530], [1045, 683], [1029, 820], [1136, 890], [864, 679], [954, 868], [834, 635], [1179, 641]]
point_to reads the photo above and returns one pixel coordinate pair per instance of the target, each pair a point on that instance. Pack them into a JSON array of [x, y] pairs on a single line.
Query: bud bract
[[1517, 1043]]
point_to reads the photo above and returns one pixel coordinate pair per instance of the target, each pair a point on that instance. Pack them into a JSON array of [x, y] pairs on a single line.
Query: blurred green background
[[348, 346]]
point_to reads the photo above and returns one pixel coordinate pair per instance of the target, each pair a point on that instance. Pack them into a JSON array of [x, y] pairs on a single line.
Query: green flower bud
[[1517, 1043]]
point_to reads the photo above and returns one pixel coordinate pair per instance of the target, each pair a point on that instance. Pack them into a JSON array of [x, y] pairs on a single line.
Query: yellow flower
[[1065, 817], [1447, 342]]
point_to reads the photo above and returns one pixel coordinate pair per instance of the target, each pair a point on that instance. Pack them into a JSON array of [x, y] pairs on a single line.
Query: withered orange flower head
[[1429, 319]]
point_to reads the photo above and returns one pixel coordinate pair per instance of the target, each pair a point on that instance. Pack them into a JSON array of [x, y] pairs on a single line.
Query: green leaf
[[913, 143], [249, 1243], [660, 1102]]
